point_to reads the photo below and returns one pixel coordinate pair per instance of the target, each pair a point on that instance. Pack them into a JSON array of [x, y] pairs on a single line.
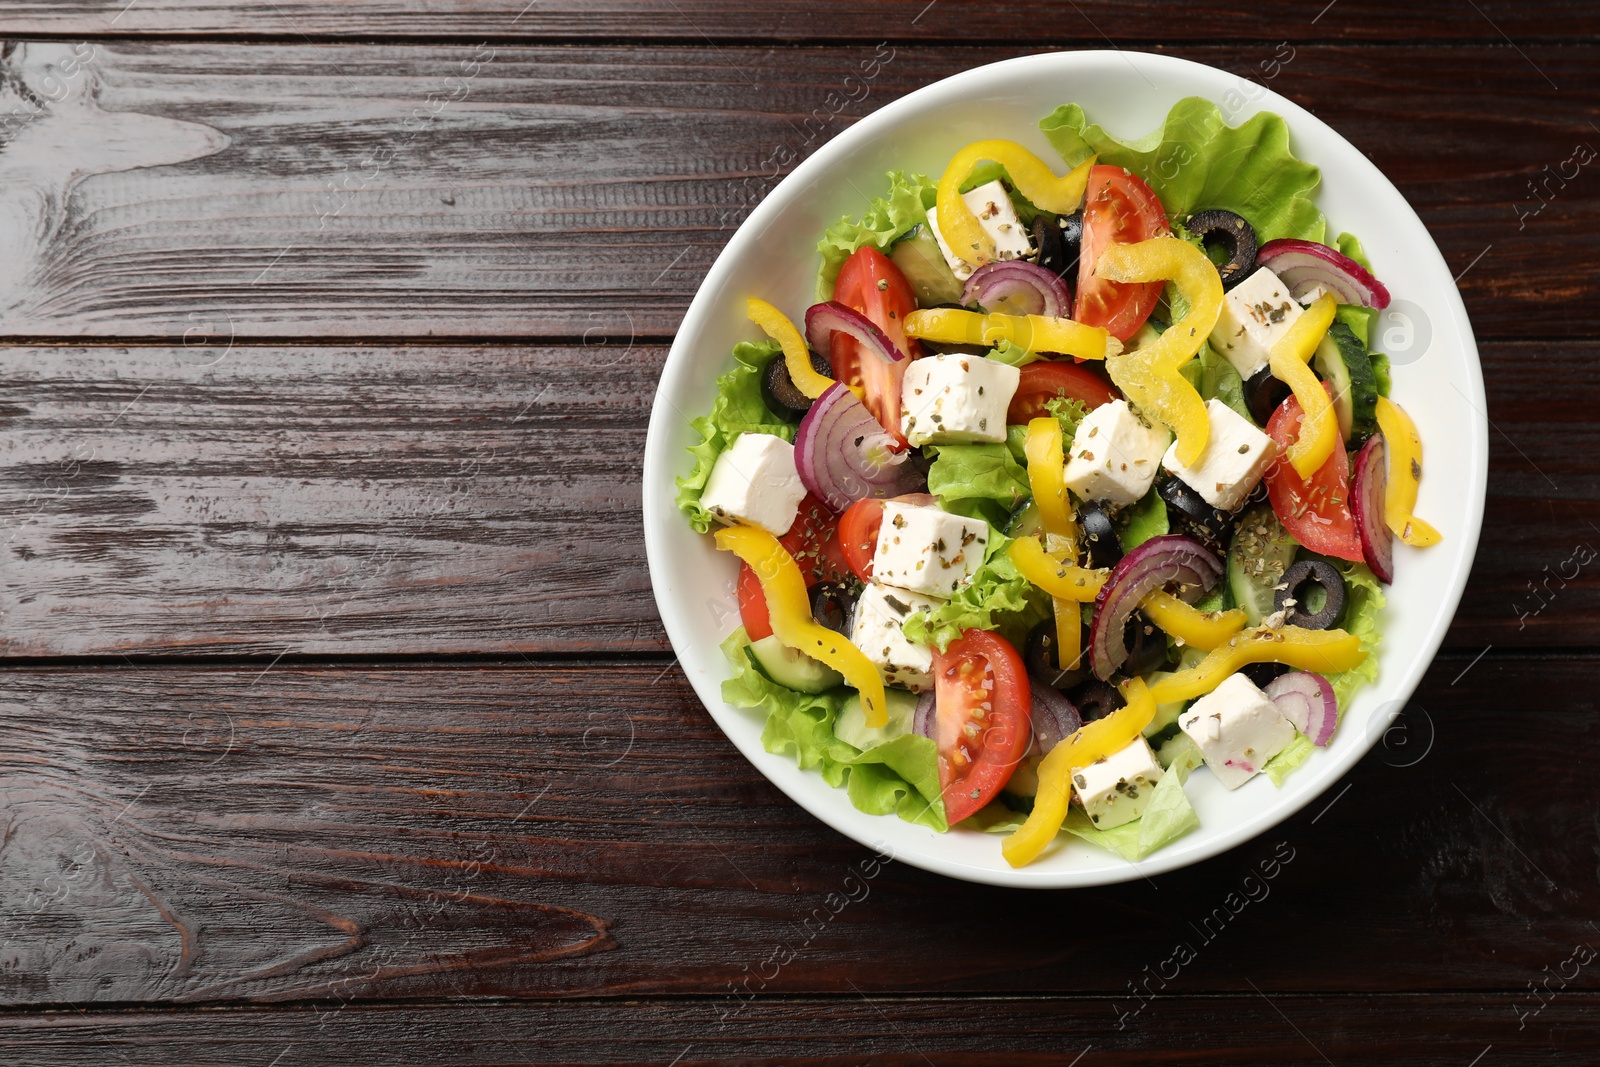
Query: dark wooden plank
[[204, 835], [1273, 1027], [496, 191], [1025, 21], [486, 499], [325, 500]]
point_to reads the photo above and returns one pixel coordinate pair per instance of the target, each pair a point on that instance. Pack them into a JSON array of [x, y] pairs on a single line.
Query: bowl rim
[[659, 470]]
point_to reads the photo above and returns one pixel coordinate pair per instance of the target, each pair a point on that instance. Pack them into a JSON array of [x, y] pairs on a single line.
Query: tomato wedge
[[983, 716], [858, 535], [813, 541], [1117, 208], [870, 283], [1044, 381], [1315, 510]]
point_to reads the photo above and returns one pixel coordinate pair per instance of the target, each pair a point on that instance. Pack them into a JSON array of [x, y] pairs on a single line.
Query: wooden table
[[339, 723]]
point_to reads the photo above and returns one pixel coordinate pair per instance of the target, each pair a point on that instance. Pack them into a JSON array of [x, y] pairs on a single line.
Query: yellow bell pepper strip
[[1149, 377], [1405, 471], [1098, 739], [1323, 651], [1047, 464], [1036, 333], [795, 353], [1199, 629], [1047, 467], [1031, 176], [790, 610], [1319, 429], [1055, 576]]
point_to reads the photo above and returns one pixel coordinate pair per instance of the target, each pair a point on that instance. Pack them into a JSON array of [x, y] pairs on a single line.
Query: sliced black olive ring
[[1298, 585], [1044, 664], [779, 391], [1236, 237], [833, 605]]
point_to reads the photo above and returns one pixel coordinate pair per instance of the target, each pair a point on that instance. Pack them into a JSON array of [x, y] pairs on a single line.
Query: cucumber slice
[[791, 667], [1165, 723], [1261, 551], [919, 259], [1024, 782], [1342, 360], [851, 725], [1024, 522]]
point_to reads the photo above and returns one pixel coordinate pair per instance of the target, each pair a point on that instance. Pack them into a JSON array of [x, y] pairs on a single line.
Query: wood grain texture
[[1272, 1027], [499, 191], [205, 835], [1043, 21], [462, 499]]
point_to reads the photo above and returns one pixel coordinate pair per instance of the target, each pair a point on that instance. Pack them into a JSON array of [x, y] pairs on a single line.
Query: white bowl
[[1437, 379]]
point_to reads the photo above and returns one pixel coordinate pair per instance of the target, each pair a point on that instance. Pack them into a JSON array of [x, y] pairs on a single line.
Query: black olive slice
[[1147, 646], [1100, 542], [833, 605], [1206, 524], [1044, 664], [1297, 585], [1059, 240], [781, 394], [1096, 699], [1263, 393], [1263, 673], [1235, 236]]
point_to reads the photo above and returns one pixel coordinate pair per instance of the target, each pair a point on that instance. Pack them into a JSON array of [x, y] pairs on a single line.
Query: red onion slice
[[825, 320], [1055, 718], [1371, 479], [1024, 288], [1304, 265], [1306, 699], [844, 455], [883, 365], [925, 722], [1154, 565]]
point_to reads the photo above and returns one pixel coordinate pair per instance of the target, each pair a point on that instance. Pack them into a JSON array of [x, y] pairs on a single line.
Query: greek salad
[[1077, 476]]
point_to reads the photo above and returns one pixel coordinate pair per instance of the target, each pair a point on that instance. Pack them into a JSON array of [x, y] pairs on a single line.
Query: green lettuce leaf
[[1069, 412], [1013, 354], [900, 776], [979, 481], [1213, 377], [886, 218], [1350, 245], [1361, 619], [997, 597], [1196, 161], [737, 409], [1142, 521]]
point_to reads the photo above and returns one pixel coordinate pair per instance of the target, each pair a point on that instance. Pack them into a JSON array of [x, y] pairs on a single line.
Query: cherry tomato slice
[[813, 541], [870, 283], [1118, 208], [1044, 381], [983, 716], [858, 535], [1315, 510]]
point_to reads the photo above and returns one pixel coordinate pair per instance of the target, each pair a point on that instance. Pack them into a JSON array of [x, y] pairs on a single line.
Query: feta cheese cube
[[1237, 729], [755, 481], [880, 611], [992, 205], [1114, 455], [956, 399], [1235, 457], [927, 549], [1256, 313], [1115, 789]]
